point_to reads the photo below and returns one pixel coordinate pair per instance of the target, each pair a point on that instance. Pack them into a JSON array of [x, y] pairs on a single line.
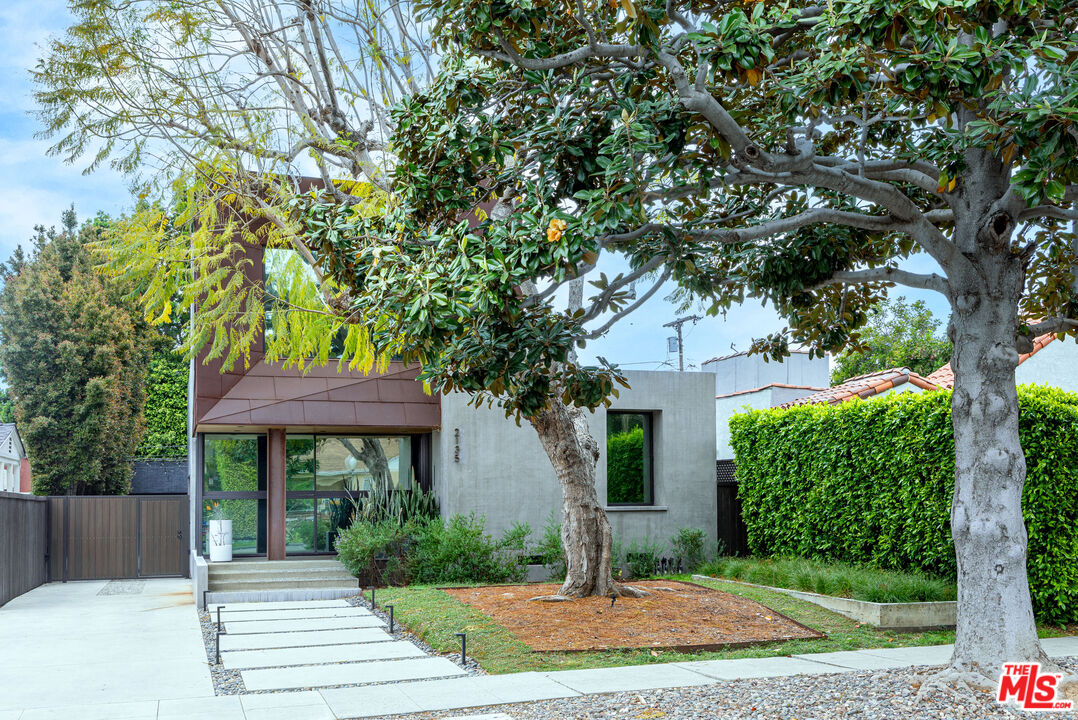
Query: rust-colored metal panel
[[275, 494]]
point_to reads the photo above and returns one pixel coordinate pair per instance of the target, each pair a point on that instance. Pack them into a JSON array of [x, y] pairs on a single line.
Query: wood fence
[[24, 521], [125, 536]]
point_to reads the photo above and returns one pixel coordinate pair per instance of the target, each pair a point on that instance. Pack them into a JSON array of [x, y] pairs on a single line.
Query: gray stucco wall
[[485, 463], [1056, 365], [741, 372]]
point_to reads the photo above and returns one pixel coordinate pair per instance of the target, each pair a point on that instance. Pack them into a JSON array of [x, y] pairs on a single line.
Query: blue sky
[[35, 188]]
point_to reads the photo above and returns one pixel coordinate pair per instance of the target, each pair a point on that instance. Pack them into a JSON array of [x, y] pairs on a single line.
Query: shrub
[[642, 559], [871, 482], [460, 551], [688, 546], [362, 544], [551, 550]]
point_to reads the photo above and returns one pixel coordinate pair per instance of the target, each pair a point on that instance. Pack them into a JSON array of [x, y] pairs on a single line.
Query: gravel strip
[[888, 695], [225, 682]]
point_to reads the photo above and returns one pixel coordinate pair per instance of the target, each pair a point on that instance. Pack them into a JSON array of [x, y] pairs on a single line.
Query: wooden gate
[[129, 536], [731, 526]]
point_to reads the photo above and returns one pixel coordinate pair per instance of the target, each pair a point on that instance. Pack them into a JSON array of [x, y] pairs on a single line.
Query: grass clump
[[859, 582]]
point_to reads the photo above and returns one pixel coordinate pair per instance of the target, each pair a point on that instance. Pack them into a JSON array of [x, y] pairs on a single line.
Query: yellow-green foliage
[[871, 482], [195, 254]]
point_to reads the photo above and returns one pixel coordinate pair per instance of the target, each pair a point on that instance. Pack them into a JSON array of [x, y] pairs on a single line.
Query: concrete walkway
[[128, 668], [97, 642]]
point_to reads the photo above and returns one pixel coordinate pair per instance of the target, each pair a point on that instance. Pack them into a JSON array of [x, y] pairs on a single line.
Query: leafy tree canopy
[[74, 358], [899, 334]]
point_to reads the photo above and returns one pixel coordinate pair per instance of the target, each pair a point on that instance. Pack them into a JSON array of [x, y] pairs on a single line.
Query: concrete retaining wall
[[900, 617]]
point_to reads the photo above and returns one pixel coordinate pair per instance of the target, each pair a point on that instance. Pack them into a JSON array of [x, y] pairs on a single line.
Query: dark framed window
[[323, 473], [234, 477], [629, 453]]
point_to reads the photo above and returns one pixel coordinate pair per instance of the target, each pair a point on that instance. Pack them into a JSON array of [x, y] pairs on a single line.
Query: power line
[[676, 324]]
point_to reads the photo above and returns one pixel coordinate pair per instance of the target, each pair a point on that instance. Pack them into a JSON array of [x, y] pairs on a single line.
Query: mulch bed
[[677, 616]]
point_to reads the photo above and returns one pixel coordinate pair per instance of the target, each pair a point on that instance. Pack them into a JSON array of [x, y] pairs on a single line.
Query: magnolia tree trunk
[[585, 529], [995, 615]]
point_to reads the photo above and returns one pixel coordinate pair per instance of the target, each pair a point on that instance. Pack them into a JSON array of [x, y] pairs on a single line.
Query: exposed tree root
[[619, 591], [952, 682]]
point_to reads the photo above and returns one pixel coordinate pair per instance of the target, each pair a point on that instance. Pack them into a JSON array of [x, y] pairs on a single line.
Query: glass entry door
[[234, 478], [323, 473]]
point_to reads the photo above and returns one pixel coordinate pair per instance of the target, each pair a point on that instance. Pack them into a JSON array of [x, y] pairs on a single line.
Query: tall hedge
[[871, 482]]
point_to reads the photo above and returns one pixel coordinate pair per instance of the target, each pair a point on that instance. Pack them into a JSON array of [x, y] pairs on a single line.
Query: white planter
[[219, 537]]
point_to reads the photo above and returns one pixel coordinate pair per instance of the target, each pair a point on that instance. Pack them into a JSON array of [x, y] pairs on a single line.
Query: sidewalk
[[458, 693]]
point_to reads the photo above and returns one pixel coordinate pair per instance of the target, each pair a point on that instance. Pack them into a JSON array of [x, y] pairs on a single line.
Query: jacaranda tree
[[793, 152]]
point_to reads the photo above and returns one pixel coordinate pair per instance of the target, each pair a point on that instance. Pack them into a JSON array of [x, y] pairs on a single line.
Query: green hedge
[[871, 482], [625, 466]]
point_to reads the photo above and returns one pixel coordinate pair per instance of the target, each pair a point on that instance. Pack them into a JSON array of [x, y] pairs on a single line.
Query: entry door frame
[[263, 534]]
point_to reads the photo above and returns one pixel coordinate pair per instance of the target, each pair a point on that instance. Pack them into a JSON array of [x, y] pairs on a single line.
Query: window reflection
[[355, 463]]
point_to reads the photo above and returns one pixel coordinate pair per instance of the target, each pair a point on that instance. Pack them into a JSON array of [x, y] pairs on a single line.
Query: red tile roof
[[944, 377], [866, 386]]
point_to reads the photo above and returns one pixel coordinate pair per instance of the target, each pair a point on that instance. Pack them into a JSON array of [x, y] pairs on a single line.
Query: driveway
[[84, 643]]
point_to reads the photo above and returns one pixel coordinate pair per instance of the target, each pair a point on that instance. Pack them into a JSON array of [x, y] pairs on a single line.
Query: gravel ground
[[886, 695], [229, 682]]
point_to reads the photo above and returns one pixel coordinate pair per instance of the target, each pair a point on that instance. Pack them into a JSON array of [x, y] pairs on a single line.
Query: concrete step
[[285, 565], [272, 595], [298, 573], [279, 583]]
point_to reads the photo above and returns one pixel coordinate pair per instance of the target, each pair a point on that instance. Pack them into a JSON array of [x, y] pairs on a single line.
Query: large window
[[324, 473], [234, 476], [629, 459]]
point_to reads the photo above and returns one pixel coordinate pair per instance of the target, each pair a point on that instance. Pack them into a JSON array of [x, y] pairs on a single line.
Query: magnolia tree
[[228, 103], [794, 153]]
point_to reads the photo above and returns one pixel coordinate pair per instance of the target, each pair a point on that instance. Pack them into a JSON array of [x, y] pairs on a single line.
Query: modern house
[[282, 451], [744, 380], [14, 467]]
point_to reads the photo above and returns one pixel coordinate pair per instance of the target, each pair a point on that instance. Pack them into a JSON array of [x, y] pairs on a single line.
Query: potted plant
[[219, 534]]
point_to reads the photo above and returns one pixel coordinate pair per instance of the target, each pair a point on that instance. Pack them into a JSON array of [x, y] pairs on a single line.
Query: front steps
[[268, 580]]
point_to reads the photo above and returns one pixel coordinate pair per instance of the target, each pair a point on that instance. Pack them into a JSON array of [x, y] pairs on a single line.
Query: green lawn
[[837, 579], [435, 616]]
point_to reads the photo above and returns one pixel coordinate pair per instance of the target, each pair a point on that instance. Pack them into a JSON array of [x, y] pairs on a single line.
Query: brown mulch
[[677, 615]]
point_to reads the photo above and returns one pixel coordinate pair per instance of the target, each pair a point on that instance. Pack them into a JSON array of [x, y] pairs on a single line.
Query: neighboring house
[[743, 380], [1051, 362], [14, 467], [282, 451]]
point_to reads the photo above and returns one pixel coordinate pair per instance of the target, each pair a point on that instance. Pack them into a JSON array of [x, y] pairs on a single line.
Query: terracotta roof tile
[[944, 377], [866, 386]]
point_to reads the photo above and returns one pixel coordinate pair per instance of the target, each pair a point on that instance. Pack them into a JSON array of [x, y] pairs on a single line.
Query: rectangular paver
[[334, 623], [349, 674], [264, 641], [758, 668], [365, 702], [635, 677], [249, 659], [297, 712], [250, 615]]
